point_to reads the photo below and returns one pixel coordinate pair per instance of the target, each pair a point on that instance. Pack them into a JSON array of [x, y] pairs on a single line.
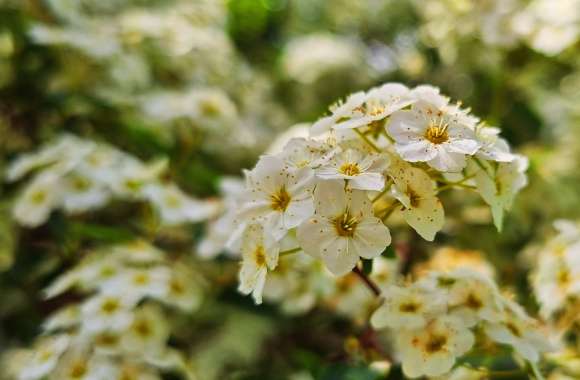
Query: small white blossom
[[44, 357], [407, 307], [433, 349], [259, 255], [339, 112], [277, 197], [432, 131], [38, 200], [520, 331], [422, 209], [105, 312], [363, 171], [175, 207], [343, 228]]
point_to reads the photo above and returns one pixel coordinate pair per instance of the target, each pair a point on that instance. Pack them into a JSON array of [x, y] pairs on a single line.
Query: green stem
[[385, 190], [367, 140], [290, 251]]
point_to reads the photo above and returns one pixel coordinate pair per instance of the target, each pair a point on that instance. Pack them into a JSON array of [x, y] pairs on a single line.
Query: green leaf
[[367, 266], [390, 252]]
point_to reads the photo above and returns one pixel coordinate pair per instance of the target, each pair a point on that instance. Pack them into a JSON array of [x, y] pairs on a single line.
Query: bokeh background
[[210, 84]]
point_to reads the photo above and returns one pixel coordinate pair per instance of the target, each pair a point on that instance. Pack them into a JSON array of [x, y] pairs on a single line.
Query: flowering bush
[[177, 201]]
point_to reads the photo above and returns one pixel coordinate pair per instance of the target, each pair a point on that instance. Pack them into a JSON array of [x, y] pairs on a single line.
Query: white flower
[[343, 228], [422, 209], [132, 176], [431, 350], [339, 112], [259, 254], [308, 58], [63, 319], [137, 283], [520, 331], [44, 357], [220, 230], [493, 147], [362, 170], [105, 312], [407, 307], [379, 103], [180, 290], [552, 283], [499, 184], [148, 333], [434, 132], [472, 297], [299, 153], [296, 283], [81, 193], [65, 152], [175, 207], [138, 252], [279, 198], [34, 205], [76, 364]]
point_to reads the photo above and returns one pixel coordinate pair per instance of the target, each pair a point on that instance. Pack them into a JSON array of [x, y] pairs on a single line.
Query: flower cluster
[[78, 175], [546, 26], [442, 316], [386, 150], [111, 334]]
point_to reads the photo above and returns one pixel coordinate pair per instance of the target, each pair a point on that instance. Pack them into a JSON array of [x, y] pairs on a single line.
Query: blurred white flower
[[519, 331], [175, 207], [433, 349], [308, 58], [44, 357], [407, 307]]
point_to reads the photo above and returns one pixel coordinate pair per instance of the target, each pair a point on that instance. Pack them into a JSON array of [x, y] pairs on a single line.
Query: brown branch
[[368, 282]]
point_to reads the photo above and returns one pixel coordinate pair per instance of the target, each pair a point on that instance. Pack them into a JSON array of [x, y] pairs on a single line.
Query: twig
[[367, 281]]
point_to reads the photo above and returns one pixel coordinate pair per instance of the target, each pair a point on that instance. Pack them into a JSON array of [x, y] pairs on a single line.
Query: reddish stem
[[368, 282]]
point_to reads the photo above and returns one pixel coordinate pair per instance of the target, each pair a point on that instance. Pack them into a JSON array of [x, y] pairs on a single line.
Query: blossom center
[[473, 302], [279, 200], [513, 329], [81, 184], [78, 370], [177, 288], [209, 108], [435, 343], [414, 198], [110, 306], [260, 256], [409, 307], [38, 197], [143, 328], [172, 201], [349, 169], [345, 225], [141, 279], [437, 133]]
